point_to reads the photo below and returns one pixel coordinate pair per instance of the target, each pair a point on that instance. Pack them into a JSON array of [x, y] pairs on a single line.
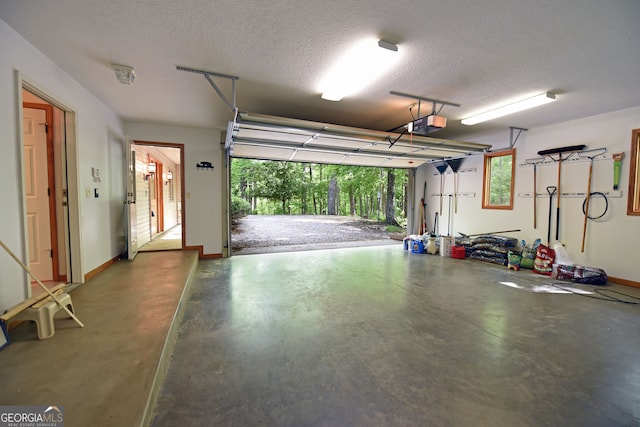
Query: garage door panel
[[272, 137], [261, 152], [278, 138], [318, 157]]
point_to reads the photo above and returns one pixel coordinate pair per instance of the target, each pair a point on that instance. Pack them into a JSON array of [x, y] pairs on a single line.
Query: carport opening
[[286, 206]]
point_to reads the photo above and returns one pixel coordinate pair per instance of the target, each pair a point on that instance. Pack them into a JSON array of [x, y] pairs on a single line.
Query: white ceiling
[[473, 53]]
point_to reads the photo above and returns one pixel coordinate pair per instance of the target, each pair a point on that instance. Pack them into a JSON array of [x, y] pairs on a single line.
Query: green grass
[[394, 229]]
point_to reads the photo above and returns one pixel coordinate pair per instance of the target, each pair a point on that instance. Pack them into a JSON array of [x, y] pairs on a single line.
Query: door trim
[[74, 258], [183, 217]]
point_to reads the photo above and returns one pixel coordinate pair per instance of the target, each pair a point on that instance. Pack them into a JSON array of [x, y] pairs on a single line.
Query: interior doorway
[[159, 196], [46, 189]]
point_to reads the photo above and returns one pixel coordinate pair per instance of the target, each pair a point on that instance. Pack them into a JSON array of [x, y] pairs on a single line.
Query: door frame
[[183, 218], [72, 223], [158, 192], [51, 184]]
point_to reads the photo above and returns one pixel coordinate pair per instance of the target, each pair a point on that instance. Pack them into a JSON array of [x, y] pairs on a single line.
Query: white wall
[[203, 188], [610, 242], [99, 135]]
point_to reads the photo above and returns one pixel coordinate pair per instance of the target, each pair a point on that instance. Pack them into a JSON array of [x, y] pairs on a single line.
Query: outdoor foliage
[[239, 207], [275, 187], [500, 184]]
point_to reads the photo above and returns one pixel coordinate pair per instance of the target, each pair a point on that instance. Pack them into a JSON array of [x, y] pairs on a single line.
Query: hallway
[[170, 240]]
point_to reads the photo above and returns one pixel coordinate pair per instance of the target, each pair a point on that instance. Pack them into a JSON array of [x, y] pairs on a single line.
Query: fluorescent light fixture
[[534, 101], [357, 68]]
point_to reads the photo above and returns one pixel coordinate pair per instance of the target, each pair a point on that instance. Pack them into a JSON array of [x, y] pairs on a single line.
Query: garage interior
[[350, 336], [354, 336]]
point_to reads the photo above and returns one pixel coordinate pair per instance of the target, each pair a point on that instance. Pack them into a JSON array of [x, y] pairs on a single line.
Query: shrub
[[239, 207]]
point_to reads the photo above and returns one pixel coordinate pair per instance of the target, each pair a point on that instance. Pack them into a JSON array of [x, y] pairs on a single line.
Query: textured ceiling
[[470, 53]]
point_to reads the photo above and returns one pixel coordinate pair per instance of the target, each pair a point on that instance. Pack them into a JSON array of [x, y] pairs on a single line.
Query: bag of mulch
[[513, 260], [545, 257], [528, 256], [580, 274]]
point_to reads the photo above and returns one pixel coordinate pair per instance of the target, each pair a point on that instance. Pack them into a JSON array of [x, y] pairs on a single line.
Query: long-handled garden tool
[[590, 154], [535, 162], [449, 217], [25, 268], [488, 233], [423, 210], [551, 190], [441, 166], [560, 151], [454, 164]]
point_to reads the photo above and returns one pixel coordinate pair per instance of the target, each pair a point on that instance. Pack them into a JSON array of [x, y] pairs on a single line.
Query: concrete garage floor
[[382, 336], [102, 374]]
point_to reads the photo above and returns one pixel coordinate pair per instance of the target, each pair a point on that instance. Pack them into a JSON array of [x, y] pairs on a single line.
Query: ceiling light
[[504, 110], [124, 73], [357, 68]]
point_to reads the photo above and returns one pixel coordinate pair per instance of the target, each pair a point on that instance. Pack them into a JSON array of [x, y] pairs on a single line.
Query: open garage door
[[256, 136], [263, 137]]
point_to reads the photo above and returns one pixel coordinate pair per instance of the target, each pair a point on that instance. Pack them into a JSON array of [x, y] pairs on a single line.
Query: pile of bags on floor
[[488, 248], [540, 258], [554, 262]]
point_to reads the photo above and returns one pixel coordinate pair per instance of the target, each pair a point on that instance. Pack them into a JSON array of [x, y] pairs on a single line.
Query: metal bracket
[[209, 76], [434, 102], [512, 140]]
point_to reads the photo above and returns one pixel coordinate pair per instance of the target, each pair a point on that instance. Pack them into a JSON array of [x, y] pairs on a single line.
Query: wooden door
[[38, 193]]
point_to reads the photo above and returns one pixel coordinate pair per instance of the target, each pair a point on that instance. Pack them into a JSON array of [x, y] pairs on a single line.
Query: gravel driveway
[[263, 233]]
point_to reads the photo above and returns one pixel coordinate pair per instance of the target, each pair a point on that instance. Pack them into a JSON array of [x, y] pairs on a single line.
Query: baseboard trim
[[625, 282], [100, 268], [201, 253]]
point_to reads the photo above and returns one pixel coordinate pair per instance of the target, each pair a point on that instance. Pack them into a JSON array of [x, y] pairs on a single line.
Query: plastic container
[[446, 243], [458, 252], [417, 246]]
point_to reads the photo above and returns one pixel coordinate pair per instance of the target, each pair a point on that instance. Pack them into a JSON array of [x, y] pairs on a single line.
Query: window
[[497, 190], [633, 204]]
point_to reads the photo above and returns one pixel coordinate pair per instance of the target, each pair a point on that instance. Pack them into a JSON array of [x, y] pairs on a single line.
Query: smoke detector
[[124, 73]]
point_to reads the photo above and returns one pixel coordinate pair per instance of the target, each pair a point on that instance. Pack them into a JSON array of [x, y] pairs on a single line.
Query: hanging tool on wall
[[551, 190], [449, 217], [441, 166], [435, 224], [560, 151], [535, 163], [589, 154], [617, 167], [423, 210], [454, 164]]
